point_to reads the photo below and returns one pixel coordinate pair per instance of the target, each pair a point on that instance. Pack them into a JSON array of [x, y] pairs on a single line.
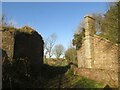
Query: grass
[[25, 29], [9, 28], [69, 80], [82, 82], [87, 83]]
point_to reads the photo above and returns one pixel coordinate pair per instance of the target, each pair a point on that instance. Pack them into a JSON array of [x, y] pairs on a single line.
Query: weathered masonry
[[8, 43], [22, 43], [98, 58]]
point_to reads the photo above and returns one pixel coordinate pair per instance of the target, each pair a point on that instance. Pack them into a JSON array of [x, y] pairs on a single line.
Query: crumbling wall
[[29, 46], [105, 65], [98, 58], [105, 54], [104, 77], [22, 56], [23, 43], [81, 56], [8, 43]]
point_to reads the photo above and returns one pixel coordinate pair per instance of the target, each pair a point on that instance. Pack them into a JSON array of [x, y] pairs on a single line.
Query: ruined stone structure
[[8, 43], [98, 57], [23, 43]]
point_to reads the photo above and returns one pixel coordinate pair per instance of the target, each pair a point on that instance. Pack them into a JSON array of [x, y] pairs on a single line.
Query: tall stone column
[[89, 33]]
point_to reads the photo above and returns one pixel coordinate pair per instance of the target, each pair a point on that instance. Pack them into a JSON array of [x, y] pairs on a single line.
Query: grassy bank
[[69, 80]]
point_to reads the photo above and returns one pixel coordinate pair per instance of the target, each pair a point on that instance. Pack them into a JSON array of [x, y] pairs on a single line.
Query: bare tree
[[4, 22], [49, 44], [80, 28], [98, 21], [58, 50]]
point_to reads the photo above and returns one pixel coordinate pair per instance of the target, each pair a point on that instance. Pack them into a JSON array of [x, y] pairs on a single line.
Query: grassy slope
[[69, 80]]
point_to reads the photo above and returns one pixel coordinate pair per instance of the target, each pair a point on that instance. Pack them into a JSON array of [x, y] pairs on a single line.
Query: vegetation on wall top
[[106, 26]]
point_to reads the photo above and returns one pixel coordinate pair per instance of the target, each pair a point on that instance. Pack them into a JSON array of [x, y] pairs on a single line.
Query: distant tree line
[[51, 49], [58, 50]]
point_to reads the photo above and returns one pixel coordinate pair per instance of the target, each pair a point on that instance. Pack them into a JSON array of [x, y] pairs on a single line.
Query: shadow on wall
[[6, 69], [29, 47], [27, 58]]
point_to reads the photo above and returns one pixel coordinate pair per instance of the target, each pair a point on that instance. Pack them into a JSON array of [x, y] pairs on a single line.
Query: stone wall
[[23, 43], [8, 42], [104, 77], [105, 65], [105, 54], [81, 56], [98, 58], [29, 46]]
